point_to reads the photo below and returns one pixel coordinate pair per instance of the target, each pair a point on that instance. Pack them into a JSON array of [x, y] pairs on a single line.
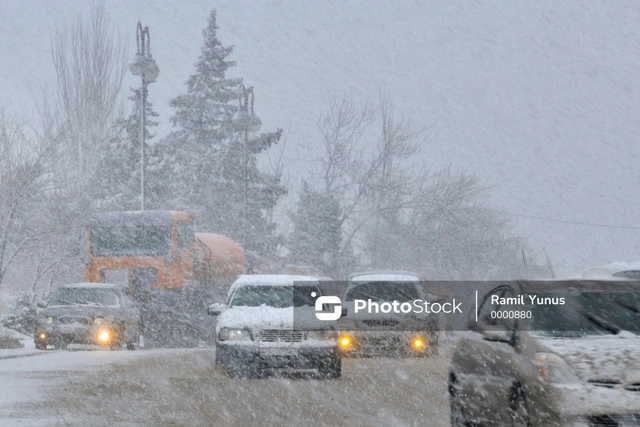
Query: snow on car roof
[[92, 285], [269, 280], [609, 270], [385, 276]]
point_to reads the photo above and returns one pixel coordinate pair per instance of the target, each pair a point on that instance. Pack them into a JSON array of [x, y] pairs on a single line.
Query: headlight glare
[[104, 336], [345, 341], [234, 334], [554, 369]]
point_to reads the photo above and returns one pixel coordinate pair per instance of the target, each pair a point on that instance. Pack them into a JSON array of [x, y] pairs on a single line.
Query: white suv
[[371, 334], [255, 329]]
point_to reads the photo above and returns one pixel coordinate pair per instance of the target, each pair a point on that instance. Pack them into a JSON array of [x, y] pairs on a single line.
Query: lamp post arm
[[139, 36], [146, 32]]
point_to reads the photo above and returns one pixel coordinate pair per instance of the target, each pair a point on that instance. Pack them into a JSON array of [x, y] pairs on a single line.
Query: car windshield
[[621, 309], [85, 296], [383, 291], [130, 241], [275, 296], [587, 314]]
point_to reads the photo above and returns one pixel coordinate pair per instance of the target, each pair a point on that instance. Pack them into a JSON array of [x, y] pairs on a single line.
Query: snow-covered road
[[181, 387]]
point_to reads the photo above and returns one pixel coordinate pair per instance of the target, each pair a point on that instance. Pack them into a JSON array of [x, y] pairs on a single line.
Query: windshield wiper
[[596, 320], [628, 306], [92, 303], [64, 301]]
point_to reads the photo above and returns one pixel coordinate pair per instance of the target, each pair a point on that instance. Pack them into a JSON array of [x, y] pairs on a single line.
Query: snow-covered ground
[[183, 388]]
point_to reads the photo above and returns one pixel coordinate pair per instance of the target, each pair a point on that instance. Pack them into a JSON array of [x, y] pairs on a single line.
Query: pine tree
[[316, 236], [199, 166], [117, 179]]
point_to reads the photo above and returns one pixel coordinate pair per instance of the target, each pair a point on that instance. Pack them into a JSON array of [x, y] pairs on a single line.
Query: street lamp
[[143, 65], [245, 120]]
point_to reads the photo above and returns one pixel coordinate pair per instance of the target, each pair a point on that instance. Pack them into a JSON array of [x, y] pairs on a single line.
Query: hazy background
[[540, 99]]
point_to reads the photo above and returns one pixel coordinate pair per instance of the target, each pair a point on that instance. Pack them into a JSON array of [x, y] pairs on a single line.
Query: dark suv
[[88, 313]]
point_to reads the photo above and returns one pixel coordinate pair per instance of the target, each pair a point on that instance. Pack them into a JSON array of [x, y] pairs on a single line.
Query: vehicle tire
[[458, 417], [240, 370], [131, 346], [519, 410], [331, 368], [40, 346], [219, 358], [59, 344]]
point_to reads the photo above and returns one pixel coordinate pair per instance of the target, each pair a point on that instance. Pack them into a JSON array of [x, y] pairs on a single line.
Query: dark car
[[88, 313], [553, 353]]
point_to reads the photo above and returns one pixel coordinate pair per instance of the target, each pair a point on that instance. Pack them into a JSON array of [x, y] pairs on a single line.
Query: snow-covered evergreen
[[316, 237], [117, 179], [199, 166]]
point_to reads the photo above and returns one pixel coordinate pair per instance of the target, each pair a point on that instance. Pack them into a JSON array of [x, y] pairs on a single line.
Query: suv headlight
[[232, 334], [554, 369], [45, 320], [322, 335]]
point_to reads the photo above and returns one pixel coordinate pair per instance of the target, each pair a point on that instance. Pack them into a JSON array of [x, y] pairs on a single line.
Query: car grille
[[615, 420], [67, 320], [279, 335], [604, 383], [633, 387], [380, 323]]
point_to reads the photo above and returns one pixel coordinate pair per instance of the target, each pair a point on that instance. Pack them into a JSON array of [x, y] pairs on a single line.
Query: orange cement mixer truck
[[170, 271]]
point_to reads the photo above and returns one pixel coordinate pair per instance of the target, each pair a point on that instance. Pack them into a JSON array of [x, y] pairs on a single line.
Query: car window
[[275, 296], [383, 291], [591, 313], [184, 235], [85, 296]]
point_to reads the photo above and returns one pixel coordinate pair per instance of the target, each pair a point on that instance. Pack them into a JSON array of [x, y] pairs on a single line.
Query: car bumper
[[388, 343], [76, 334], [280, 357]]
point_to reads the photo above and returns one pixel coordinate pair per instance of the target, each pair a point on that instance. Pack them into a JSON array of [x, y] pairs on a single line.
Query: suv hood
[[614, 358], [259, 318]]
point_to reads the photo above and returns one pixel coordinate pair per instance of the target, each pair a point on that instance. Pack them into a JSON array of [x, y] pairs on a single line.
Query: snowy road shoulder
[[182, 387]]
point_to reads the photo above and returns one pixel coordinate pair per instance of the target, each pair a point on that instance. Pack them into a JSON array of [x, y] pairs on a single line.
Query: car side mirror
[[498, 333], [216, 308], [41, 304]]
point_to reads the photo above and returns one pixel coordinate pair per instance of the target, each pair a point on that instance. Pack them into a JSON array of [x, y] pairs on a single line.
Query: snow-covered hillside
[[538, 97]]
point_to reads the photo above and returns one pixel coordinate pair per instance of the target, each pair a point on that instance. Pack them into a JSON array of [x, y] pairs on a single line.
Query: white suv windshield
[[275, 296]]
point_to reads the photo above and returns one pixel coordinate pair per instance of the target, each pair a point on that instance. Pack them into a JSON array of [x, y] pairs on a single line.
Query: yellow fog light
[[345, 341], [43, 336], [104, 336], [418, 343]]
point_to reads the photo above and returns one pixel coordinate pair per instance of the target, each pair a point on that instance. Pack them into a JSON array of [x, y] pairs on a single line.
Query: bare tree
[[90, 62], [396, 212], [26, 182]]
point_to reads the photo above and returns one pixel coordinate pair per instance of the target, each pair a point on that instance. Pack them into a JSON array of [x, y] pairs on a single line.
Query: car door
[[484, 364]]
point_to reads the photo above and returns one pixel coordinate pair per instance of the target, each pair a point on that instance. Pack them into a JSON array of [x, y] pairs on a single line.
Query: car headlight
[[554, 369], [98, 321], [345, 341], [231, 334], [49, 320], [105, 336], [322, 335]]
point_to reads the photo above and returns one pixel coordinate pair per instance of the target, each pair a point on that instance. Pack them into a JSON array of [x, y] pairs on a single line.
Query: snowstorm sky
[[539, 98]]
